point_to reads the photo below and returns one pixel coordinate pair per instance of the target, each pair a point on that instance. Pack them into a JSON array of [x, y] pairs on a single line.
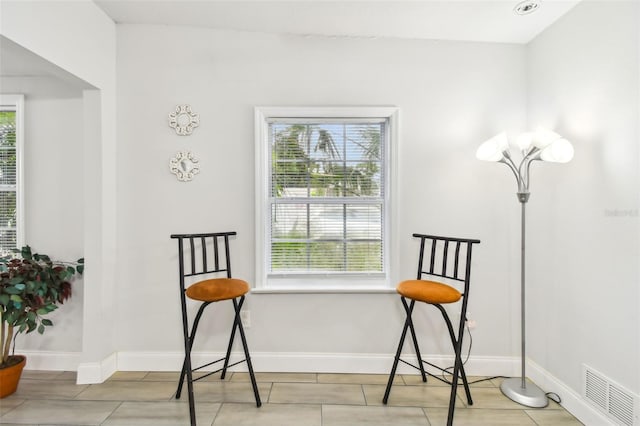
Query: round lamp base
[[531, 395]]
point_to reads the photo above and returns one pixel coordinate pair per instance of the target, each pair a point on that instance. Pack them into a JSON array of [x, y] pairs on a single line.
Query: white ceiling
[[475, 20], [472, 20], [20, 63]]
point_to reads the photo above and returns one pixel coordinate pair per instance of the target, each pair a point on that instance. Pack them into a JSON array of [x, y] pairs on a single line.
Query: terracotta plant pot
[[10, 376]]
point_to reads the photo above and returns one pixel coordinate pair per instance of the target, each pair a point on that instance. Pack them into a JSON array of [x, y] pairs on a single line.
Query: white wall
[[54, 199], [54, 205], [583, 80], [79, 38], [452, 96]]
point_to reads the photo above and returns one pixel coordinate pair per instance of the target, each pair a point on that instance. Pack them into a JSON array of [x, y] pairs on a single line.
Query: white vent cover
[[618, 403]]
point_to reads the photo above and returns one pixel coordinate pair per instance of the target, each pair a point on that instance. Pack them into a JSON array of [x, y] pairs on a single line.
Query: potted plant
[[31, 287]]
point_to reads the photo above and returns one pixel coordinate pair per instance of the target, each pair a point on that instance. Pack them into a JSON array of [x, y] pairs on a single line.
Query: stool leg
[[247, 356], [191, 339], [395, 362], [454, 385], [408, 325], [236, 320], [186, 366], [414, 338], [192, 405], [458, 368], [457, 342]]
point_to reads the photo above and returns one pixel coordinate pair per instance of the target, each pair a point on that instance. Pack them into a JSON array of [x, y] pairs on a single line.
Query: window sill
[[323, 290], [374, 283]]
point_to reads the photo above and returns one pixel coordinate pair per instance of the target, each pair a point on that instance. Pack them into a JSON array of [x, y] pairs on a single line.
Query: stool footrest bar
[[217, 371]]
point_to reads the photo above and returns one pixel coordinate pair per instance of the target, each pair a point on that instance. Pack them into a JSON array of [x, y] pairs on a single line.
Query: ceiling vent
[[616, 402], [526, 7]]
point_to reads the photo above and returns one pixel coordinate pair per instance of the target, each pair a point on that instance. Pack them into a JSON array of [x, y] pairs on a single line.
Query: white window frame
[[16, 102], [380, 282]]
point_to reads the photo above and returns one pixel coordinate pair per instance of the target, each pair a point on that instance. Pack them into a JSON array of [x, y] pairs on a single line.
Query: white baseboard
[[48, 360], [157, 361], [88, 372], [572, 401], [293, 362], [97, 372]]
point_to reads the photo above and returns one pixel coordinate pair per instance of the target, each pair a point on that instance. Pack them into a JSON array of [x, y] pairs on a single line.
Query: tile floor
[[147, 398]]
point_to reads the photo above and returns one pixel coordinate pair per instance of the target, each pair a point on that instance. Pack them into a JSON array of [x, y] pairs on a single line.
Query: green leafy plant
[[31, 287]]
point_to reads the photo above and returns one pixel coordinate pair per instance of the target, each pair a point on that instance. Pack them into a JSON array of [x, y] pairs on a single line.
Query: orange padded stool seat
[[217, 289], [428, 291]]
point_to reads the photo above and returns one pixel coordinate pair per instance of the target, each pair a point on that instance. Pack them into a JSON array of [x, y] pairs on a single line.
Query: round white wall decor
[[184, 165], [183, 120]]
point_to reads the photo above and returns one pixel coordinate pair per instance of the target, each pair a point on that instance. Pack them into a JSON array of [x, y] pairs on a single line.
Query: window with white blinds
[[325, 197], [10, 151]]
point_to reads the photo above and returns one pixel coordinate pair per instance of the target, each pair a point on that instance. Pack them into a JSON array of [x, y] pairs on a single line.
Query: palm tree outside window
[[10, 108], [327, 199]]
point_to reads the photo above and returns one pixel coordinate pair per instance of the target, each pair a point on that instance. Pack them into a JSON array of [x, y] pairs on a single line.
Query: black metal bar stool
[[208, 254], [448, 259]]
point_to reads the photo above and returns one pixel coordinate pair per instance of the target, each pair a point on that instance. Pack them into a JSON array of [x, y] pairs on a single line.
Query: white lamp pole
[[541, 145]]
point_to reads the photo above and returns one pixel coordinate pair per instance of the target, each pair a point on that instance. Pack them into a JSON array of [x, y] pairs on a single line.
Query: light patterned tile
[[410, 396], [316, 393], [9, 403], [492, 398], [115, 390], [40, 374], [360, 379], [49, 375], [60, 412], [349, 415], [269, 415], [160, 414], [481, 382], [416, 380], [277, 377], [49, 389], [68, 375], [174, 376], [162, 376], [479, 417], [349, 399], [228, 392], [553, 418], [128, 376]]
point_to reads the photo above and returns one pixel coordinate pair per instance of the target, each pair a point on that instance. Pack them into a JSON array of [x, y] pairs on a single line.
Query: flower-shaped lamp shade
[[524, 141], [494, 148], [558, 151], [542, 138]]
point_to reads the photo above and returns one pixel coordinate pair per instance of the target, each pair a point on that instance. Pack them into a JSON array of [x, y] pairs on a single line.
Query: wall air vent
[[616, 402]]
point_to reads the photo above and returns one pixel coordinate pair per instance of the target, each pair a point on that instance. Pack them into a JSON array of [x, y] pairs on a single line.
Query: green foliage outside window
[[307, 156], [330, 161], [7, 181]]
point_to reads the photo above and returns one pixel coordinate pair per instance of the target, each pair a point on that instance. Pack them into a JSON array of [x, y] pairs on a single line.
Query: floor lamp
[[541, 145]]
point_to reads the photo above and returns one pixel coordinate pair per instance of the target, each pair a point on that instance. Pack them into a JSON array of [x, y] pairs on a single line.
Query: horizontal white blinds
[[7, 179], [327, 196]]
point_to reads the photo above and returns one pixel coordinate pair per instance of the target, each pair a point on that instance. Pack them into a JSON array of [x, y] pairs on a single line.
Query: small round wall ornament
[[183, 120], [184, 165]]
